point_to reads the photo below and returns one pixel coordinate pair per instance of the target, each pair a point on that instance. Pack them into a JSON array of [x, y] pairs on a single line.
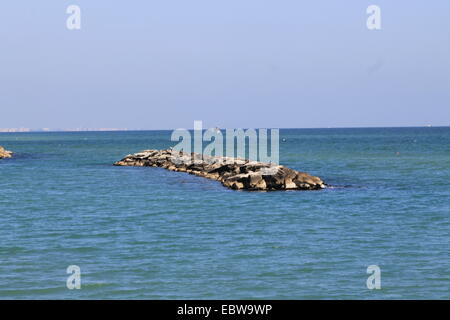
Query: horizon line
[[48, 130]]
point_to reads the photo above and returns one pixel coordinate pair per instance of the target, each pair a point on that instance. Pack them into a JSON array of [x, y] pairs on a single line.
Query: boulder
[[5, 153]]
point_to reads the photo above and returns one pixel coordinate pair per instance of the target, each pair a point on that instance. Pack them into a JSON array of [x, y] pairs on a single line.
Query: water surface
[[148, 233]]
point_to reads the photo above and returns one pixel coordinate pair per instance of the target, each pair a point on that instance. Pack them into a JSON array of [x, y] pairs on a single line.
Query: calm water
[[144, 233]]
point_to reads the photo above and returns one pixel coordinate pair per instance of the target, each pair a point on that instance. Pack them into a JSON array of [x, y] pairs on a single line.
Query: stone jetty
[[5, 153], [234, 173]]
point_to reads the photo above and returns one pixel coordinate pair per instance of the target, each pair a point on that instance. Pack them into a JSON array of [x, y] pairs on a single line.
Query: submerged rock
[[232, 173], [5, 153]]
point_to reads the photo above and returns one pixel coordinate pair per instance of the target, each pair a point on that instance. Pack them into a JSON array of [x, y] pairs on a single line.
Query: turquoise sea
[[148, 233]]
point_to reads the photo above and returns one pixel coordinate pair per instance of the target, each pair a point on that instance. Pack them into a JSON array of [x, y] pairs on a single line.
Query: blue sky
[[234, 63]]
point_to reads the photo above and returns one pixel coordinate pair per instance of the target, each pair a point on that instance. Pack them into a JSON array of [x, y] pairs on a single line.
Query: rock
[[237, 174], [5, 153]]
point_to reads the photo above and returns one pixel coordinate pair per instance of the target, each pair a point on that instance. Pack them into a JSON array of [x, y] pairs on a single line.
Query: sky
[[144, 64]]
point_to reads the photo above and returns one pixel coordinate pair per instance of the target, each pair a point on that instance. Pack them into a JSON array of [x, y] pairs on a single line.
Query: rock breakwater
[[237, 174]]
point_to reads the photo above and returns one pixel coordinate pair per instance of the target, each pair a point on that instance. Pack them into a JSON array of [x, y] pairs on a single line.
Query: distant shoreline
[[26, 130]]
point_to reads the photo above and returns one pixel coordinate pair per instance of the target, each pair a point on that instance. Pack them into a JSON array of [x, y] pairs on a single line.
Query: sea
[[149, 233]]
